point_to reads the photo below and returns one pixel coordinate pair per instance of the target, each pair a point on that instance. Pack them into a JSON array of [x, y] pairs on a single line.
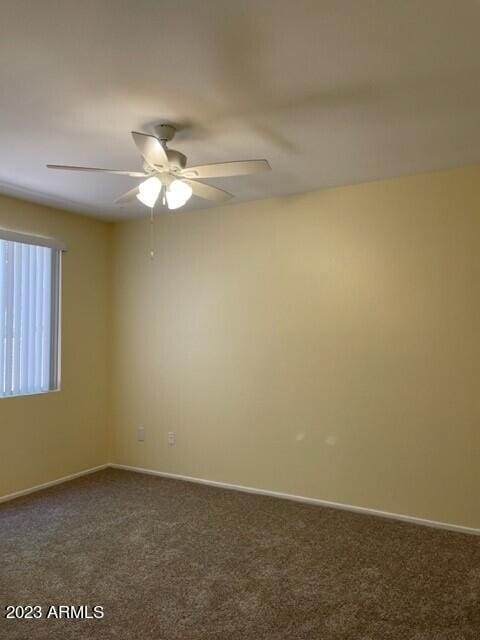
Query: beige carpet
[[170, 560]]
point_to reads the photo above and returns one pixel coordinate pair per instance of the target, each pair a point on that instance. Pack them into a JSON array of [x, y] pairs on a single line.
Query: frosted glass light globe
[[149, 191], [178, 193]]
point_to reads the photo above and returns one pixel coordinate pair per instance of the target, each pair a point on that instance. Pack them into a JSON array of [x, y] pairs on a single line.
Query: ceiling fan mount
[[165, 131], [166, 172]]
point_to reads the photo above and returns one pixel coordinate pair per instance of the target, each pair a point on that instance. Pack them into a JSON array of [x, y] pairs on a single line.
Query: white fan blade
[[151, 150], [128, 196], [226, 169], [118, 172], [208, 192]]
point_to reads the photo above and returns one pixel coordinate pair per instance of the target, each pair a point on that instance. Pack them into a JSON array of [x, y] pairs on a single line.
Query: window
[[29, 314]]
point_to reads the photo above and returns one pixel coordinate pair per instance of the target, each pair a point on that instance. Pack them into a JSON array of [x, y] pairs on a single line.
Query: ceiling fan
[[168, 176]]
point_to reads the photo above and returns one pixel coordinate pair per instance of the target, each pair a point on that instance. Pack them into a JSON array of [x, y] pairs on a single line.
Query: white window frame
[[58, 248]]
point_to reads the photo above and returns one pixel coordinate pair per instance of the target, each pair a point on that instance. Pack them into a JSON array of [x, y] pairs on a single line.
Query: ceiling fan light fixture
[[149, 190], [177, 194]]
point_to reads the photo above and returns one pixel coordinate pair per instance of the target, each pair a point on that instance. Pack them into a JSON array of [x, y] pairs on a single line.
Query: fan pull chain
[[152, 235]]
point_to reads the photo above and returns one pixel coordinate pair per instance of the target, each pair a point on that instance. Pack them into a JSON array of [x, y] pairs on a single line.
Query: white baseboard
[[51, 483], [265, 492], [322, 503]]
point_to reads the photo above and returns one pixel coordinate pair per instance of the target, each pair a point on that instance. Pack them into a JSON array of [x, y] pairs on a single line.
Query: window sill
[[28, 395]]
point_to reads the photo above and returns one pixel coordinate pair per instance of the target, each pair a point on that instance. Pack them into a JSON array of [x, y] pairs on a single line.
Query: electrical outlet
[[141, 434], [171, 438]]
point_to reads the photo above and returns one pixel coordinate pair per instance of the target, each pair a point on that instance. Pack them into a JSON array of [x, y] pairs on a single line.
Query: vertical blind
[[29, 283]]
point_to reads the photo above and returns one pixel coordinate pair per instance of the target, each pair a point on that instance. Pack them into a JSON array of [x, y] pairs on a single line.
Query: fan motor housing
[[176, 159]]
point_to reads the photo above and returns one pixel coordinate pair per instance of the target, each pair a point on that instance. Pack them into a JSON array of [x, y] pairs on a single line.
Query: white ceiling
[[331, 92]]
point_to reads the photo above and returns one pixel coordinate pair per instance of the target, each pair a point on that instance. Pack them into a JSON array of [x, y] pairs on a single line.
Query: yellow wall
[[47, 436], [325, 345]]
